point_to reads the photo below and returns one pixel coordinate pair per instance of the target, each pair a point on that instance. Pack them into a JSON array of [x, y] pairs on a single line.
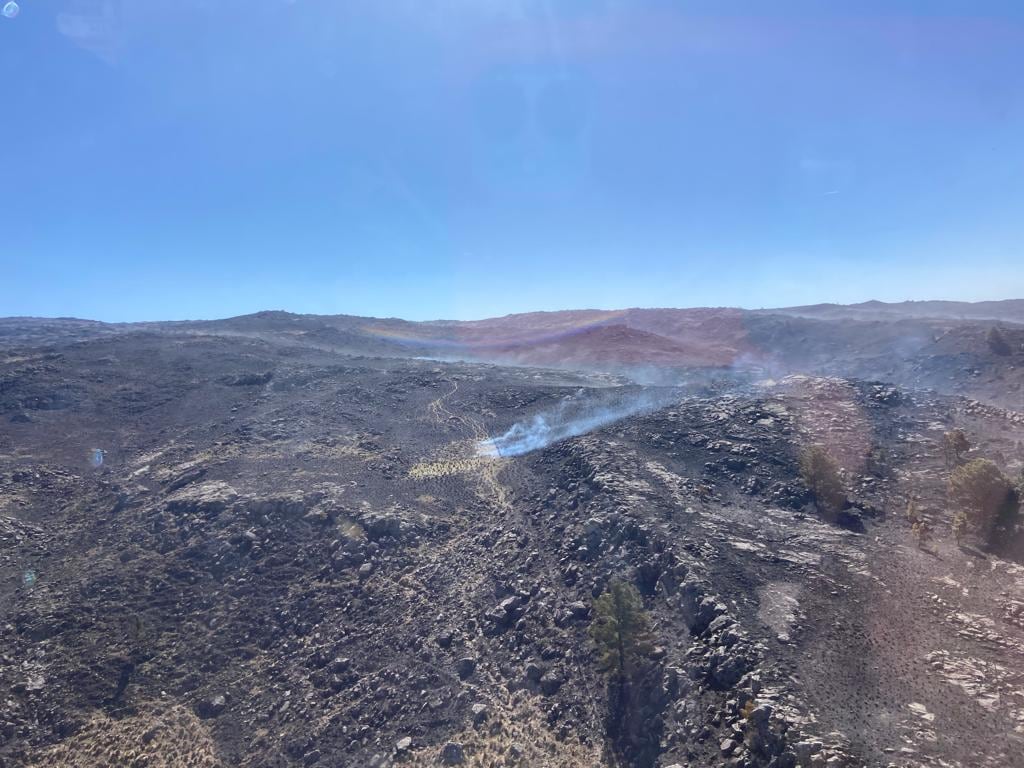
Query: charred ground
[[292, 554]]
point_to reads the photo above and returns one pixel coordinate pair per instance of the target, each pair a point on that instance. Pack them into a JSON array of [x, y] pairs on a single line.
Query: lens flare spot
[[28, 578], [11, 9]]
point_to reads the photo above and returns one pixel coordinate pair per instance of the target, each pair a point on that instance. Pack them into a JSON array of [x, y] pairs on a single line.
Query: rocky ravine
[[233, 551]]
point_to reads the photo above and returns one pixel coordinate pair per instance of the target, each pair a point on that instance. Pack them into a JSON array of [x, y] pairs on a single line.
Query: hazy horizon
[[507, 314]]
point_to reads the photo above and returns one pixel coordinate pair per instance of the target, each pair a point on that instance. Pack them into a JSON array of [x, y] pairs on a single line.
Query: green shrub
[[821, 475], [985, 496], [954, 445]]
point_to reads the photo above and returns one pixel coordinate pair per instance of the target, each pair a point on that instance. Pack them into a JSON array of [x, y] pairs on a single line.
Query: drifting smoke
[[572, 417]]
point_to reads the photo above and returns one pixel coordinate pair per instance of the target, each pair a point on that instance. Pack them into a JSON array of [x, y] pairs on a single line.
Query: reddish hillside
[[597, 345]]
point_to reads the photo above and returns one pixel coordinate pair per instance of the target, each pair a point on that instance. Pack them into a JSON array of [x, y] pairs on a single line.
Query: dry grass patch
[[155, 737], [515, 734]]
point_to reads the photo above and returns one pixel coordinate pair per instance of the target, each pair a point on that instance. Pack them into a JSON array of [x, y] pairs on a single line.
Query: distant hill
[[935, 344], [1011, 310]]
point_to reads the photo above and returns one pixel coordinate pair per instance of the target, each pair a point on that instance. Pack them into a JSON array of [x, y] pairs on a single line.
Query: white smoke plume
[[574, 416]]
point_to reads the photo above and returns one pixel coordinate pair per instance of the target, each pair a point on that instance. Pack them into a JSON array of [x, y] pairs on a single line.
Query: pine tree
[[621, 628], [621, 632]]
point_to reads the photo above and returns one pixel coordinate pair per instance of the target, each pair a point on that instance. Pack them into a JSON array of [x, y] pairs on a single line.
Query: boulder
[[380, 525], [698, 609], [551, 682], [465, 667], [452, 754], [480, 713], [504, 614], [211, 707], [727, 668]]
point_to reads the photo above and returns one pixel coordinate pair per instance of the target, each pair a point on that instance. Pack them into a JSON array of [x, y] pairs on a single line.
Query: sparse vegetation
[[913, 515], [922, 532], [985, 496], [959, 526], [954, 445], [877, 461], [919, 526], [821, 475]]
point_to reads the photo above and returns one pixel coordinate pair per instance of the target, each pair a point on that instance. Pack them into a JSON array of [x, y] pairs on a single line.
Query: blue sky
[[471, 158]]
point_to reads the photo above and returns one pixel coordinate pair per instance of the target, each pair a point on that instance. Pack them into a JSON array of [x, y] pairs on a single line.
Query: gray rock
[[379, 525], [550, 682], [805, 749], [508, 605], [534, 671], [719, 623], [728, 668], [504, 614], [452, 754], [211, 707], [465, 666], [480, 713], [339, 665], [579, 610], [698, 609], [445, 638]]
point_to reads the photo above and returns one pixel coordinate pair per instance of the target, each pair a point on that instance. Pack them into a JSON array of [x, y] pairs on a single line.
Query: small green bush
[[985, 496], [821, 476]]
